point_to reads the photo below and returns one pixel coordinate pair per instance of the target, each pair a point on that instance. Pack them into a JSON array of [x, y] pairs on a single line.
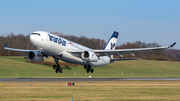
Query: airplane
[[62, 49]]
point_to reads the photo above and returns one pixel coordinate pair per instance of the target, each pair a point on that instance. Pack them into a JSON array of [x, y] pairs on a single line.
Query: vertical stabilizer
[[112, 42]]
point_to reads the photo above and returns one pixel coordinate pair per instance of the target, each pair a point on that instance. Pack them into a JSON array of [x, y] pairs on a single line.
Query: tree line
[[165, 55], [21, 41]]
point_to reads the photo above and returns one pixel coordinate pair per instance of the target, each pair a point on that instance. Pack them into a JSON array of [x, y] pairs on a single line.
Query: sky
[[136, 20]]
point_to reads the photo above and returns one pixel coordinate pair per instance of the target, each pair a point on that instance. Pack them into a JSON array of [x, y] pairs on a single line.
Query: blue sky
[[136, 20]]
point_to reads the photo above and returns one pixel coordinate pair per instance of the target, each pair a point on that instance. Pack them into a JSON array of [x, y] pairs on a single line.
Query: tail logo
[[112, 45]]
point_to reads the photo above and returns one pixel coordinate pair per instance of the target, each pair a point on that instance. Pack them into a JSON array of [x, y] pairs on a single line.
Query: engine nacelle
[[89, 56], [33, 56]]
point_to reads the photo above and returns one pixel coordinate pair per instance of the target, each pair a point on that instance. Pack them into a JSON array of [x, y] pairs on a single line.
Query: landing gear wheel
[[87, 70], [61, 70], [58, 66], [92, 70], [89, 66], [85, 66], [54, 66], [56, 70]]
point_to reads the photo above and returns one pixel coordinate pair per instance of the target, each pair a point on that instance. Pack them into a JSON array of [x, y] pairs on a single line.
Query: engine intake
[[33, 56], [89, 56]]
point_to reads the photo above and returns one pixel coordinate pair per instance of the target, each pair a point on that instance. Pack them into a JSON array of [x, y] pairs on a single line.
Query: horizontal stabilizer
[[122, 59]]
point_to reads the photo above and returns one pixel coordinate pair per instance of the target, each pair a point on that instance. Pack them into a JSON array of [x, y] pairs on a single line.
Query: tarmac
[[87, 79]]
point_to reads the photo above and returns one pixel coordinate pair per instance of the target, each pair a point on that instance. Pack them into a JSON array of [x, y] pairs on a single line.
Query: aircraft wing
[[44, 53], [121, 51], [128, 51], [20, 50]]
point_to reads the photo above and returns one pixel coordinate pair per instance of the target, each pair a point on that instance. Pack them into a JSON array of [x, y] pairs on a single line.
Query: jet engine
[[33, 56], [89, 56]]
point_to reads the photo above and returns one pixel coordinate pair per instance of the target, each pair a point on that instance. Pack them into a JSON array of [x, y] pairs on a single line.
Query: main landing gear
[[57, 67], [88, 68]]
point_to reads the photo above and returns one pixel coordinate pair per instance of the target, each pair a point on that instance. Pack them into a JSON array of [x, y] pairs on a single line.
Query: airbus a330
[[62, 49]]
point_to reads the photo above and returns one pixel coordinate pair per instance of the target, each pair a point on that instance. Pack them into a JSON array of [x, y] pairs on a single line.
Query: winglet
[[6, 46], [173, 44]]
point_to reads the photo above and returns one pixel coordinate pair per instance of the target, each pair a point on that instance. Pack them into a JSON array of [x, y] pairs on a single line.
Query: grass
[[10, 66], [90, 91]]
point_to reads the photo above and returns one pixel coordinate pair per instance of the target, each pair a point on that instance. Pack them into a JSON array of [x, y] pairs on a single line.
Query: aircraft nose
[[32, 39]]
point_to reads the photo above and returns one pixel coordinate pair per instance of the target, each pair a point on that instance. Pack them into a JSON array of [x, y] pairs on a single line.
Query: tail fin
[[112, 42]]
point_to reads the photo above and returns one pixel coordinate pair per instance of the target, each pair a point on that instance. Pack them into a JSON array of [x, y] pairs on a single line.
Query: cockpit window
[[35, 34]]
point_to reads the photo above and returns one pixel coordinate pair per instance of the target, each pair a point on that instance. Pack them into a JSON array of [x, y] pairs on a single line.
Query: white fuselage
[[59, 46]]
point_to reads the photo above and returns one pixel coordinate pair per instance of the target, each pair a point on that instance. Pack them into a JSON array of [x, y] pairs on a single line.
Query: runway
[[86, 79]]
